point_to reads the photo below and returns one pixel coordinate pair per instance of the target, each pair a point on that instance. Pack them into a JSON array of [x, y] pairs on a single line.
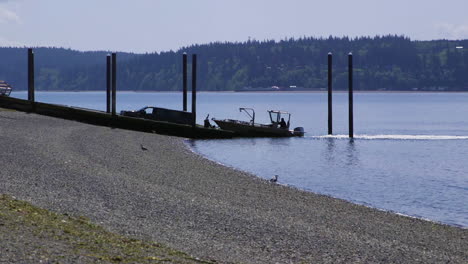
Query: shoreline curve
[[170, 195]]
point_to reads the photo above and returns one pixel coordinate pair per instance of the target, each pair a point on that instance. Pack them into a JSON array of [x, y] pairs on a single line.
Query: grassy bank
[[34, 234]]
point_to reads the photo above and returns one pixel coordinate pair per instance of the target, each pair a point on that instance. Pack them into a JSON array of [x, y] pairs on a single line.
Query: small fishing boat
[[278, 127]]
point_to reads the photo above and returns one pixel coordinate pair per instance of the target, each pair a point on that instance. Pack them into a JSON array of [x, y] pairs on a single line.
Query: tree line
[[380, 63]]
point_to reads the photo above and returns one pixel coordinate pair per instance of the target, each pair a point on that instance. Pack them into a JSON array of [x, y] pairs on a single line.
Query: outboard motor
[[299, 132]]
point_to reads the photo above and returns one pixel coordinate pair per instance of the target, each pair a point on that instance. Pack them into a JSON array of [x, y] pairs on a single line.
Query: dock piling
[[31, 75], [330, 114], [114, 82], [108, 83], [184, 81], [194, 89], [350, 94]]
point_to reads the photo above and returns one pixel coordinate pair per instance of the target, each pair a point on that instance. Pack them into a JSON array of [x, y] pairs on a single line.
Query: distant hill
[[55, 68], [381, 63]]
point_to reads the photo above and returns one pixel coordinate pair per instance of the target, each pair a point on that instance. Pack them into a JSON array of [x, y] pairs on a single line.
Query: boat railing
[[5, 90], [239, 122]]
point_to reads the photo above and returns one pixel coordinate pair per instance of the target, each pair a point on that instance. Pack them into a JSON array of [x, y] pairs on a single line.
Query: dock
[[102, 118]]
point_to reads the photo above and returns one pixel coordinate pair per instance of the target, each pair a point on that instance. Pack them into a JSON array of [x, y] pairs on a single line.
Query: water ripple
[[394, 137]]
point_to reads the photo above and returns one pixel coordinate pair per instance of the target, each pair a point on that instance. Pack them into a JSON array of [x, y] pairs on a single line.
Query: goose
[[275, 179]]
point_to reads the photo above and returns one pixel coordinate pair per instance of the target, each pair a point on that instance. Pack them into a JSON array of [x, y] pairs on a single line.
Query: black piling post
[[194, 89], [114, 82], [330, 114], [31, 75], [184, 81], [108, 84], [350, 94]]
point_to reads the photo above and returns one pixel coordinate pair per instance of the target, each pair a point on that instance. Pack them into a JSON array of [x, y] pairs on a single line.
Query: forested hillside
[[55, 68], [381, 63]]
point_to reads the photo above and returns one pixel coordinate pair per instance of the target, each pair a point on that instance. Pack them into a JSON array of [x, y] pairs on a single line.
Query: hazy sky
[[161, 25]]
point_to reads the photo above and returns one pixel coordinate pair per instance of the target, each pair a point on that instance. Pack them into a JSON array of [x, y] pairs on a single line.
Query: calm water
[[409, 154]]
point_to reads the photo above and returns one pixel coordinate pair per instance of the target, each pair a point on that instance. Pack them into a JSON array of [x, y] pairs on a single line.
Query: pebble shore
[[154, 188]]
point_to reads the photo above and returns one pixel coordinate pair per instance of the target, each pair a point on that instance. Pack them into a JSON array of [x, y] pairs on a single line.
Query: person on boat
[[283, 124], [207, 122]]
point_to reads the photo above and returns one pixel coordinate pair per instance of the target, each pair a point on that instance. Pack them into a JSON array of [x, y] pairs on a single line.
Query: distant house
[[5, 88]]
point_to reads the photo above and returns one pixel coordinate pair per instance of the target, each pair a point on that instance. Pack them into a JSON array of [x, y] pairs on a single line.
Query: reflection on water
[[279, 142], [352, 153], [330, 150]]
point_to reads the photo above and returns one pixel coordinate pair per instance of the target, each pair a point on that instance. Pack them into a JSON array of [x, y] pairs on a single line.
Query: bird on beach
[[143, 147], [275, 179]]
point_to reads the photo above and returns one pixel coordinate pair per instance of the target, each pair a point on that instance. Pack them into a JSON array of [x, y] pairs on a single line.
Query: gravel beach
[[153, 187]]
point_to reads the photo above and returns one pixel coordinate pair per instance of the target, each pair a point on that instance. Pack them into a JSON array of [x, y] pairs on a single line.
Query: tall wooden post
[[108, 83], [184, 81], [194, 89], [114, 82], [330, 114], [350, 94], [31, 75]]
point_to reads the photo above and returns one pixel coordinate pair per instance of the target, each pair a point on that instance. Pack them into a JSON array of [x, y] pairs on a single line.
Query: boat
[[277, 128], [5, 88]]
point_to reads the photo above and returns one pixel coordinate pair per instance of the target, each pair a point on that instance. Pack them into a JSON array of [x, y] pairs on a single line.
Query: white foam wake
[[396, 137]]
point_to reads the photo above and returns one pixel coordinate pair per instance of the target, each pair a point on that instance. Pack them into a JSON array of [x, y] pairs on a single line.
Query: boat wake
[[394, 137]]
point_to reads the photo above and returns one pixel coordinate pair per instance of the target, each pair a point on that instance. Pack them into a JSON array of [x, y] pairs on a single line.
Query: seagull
[[275, 179], [142, 147]]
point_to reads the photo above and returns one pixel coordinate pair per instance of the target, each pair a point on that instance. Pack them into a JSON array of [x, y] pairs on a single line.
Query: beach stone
[[168, 194]]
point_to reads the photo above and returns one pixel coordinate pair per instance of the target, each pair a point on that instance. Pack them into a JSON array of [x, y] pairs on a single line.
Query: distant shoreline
[[243, 92]]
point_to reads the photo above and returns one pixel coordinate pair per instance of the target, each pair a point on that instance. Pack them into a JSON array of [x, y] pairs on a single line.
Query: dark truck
[[161, 114]]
